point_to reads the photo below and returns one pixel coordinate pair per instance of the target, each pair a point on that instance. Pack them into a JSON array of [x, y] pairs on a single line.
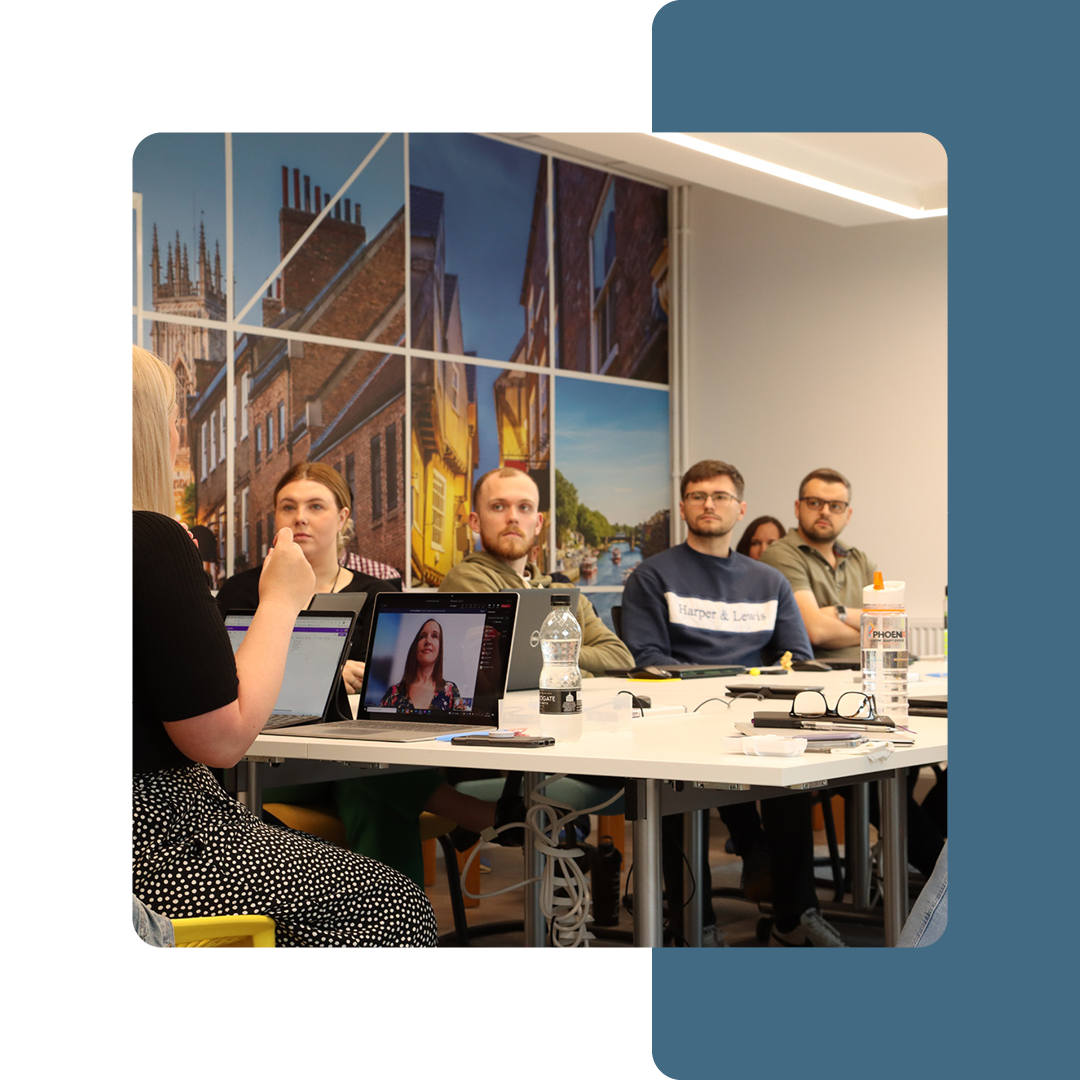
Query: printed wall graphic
[[612, 482], [611, 274], [428, 279], [492, 242]]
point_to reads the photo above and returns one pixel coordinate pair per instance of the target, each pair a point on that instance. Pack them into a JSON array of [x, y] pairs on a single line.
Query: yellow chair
[[225, 932]]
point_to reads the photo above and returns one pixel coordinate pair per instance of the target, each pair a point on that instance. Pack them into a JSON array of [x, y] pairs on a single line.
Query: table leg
[[254, 790], [648, 882], [894, 852], [694, 876], [535, 926], [857, 845]]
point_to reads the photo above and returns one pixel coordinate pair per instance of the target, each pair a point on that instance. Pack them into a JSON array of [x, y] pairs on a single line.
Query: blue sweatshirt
[[682, 607]]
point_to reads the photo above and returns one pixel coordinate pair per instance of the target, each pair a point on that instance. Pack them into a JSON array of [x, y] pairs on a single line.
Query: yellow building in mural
[[445, 447]]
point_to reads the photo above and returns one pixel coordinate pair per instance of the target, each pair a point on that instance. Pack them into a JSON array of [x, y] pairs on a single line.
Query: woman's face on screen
[[428, 644]]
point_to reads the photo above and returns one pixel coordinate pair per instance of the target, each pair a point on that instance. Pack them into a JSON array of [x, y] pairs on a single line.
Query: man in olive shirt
[[506, 515], [827, 578]]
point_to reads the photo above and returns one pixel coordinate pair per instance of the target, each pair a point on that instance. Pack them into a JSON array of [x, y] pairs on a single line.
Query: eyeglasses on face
[[835, 506], [852, 705], [700, 498]]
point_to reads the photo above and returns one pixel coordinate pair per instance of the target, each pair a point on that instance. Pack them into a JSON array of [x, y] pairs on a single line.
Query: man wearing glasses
[[702, 603], [697, 603], [826, 578]]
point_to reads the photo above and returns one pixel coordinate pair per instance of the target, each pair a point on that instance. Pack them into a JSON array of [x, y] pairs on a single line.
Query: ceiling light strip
[[796, 177]]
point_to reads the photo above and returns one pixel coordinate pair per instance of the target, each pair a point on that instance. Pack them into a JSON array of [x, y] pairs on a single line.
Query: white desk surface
[[668, 747]]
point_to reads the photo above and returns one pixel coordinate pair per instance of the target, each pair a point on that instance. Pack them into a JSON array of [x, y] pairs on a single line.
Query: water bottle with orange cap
[[884, 630]]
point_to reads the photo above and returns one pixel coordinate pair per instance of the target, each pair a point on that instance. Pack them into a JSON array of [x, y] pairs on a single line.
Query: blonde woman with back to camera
[[195, 850]]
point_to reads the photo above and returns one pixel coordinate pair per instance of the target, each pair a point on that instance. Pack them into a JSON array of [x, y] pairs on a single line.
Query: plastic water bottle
[[560, 644], [945, 633], [884, 630]]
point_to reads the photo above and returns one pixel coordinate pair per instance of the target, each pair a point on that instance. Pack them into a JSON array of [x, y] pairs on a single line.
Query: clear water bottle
[[945, 632], [884, 630], [560, 644]]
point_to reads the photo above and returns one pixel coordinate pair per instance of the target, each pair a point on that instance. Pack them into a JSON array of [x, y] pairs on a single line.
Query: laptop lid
[[526, 658], [475, 634], [318, 647], [338, 601]]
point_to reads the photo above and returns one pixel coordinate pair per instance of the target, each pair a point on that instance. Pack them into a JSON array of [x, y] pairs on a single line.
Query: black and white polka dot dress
[[196, 851]]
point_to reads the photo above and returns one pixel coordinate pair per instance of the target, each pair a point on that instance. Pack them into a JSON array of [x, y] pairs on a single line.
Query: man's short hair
[[829, 476], [503, 470], [706, 470]]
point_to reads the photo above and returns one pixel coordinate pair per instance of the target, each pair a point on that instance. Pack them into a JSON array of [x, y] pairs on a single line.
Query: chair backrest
[[616, 618]]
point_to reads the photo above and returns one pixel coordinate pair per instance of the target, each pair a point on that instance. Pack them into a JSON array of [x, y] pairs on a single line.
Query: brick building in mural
[[299, 400], [302, 401], [611, 260]]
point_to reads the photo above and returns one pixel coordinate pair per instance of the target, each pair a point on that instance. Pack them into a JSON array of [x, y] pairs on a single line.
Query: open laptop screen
[[316, 648], [473, 632]]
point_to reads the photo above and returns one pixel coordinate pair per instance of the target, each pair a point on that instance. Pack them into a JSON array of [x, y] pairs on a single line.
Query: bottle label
[[560, 701]]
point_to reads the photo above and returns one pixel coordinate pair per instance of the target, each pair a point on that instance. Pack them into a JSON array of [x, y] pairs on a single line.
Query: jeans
[[153, 928], [929, 916]]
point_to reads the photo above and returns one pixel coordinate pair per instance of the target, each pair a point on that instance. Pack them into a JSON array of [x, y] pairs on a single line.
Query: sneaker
[[756, 881], [812, 930], [712, 937]]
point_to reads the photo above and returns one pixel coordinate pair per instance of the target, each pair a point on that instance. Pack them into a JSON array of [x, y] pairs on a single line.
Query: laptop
[[526, 658], [477, 631], [318, 647]]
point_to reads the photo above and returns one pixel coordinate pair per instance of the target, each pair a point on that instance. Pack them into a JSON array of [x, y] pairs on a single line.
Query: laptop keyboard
[[390, 725], [288, 721]]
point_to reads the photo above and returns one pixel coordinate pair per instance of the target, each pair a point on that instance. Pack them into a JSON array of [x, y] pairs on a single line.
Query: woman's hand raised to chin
[[286, 574], [352, 674]]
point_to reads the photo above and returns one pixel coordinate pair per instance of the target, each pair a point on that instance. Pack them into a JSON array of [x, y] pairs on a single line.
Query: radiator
[[926, 637]]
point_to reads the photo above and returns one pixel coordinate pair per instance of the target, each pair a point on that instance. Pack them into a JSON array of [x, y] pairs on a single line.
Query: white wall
[[817, 346]]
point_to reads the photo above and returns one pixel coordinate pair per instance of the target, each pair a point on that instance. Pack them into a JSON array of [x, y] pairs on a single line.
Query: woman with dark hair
[[422, 685], [758, 535], [195, 850]]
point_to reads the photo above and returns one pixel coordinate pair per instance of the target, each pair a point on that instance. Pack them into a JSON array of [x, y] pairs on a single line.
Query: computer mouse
[[810, 665]]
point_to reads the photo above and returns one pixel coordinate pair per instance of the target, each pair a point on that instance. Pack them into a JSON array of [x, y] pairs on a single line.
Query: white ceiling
[[906, 167]]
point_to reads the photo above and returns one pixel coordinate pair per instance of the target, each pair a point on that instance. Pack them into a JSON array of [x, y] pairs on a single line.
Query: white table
[[670, 764]]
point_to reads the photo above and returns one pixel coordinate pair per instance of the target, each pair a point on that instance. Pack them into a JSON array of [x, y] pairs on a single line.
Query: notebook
[[476, 634], [318, 647], [526, 659]]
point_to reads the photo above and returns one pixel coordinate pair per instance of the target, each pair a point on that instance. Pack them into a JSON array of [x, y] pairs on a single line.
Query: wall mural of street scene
[[327, 379]]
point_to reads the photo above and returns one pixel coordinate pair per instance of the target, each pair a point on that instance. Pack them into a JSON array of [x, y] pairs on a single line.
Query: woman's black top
[[182, 662]]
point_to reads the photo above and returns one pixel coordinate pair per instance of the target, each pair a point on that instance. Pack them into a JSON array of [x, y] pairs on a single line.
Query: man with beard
[[827, 578], [506, 515], [702, 603]]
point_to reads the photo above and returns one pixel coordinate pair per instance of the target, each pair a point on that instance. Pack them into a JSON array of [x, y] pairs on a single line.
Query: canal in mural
[[611, 568]]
